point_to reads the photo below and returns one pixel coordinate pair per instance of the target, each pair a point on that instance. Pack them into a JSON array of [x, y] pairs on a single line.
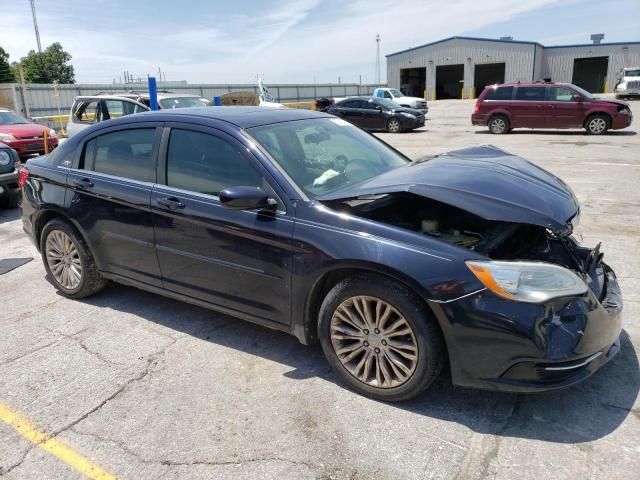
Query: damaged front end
[[549, 313]]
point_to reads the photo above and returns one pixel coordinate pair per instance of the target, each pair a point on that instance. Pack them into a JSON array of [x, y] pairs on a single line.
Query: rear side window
[[126, 153], [87, 111], [534, 94], [204, 163], [500, 93]]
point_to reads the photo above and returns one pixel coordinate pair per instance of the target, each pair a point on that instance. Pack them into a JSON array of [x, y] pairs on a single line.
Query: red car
[[548, 105], [24, 137]]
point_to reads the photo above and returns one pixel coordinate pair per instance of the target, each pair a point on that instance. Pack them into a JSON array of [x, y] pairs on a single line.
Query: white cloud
[[293, 41]]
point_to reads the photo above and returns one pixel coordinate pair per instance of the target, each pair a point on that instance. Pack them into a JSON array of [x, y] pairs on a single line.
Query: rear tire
[[68, 260], [597, 124], [391, 358], [499, 125], [393, 125]]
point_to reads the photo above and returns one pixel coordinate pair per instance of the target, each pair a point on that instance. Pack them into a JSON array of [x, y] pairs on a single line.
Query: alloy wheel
[[63, 259], [394, 125], [374, 342], [498, 125], [597, 125]]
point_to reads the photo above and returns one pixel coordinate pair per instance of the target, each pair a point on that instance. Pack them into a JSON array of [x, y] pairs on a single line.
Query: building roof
[[524, 42]]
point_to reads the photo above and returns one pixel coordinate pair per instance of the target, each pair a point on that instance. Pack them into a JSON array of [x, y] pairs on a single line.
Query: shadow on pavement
[[611, 133], [9, 215], [582, 413]]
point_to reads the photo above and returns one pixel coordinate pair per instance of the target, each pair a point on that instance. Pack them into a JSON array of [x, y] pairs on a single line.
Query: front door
[[563, 111], [111, 195], [528, 107], [235, 259]]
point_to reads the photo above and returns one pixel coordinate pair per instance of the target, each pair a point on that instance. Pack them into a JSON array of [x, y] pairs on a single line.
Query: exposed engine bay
[[497, 240]]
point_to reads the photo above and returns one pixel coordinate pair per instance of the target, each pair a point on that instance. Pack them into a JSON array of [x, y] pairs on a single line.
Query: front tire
[[393, 126], [597, 124], [380, 338], [69, 261], [499, 124]]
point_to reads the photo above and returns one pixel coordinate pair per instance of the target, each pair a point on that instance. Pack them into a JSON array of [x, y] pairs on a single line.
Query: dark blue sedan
[[302, 222]]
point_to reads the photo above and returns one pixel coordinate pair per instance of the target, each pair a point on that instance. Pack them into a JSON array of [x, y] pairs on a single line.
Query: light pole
[[35, 24], [378, 59]]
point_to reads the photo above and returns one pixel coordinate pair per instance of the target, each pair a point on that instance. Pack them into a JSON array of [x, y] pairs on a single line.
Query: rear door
[[238, 260], [111, 195], [528, 107], [350, 111], [563, 111]]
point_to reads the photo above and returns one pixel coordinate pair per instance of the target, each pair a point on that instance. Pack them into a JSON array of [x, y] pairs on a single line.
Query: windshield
[[10, 118], [632, 72], [326, 154], [386, 103], [396, 93], [181, 102], [583, 92]]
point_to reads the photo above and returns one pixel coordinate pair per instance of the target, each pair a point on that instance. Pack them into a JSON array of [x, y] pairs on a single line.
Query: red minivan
[[548, 105]]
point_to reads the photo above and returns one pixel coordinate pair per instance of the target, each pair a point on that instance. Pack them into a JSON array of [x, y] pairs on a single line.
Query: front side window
[[324, 155], [396, 93], [205, 163], [533, 94], [181, 102], [560, 94], [119, 108], [127, 154]]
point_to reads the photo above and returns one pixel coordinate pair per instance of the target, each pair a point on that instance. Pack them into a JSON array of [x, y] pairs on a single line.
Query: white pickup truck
[[396, 96], [629, 84]]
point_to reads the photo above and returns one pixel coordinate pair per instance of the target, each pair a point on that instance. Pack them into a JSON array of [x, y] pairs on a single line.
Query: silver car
[[89, 109]]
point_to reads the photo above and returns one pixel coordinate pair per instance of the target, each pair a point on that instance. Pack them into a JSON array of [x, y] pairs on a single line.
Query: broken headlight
[[531, 282]]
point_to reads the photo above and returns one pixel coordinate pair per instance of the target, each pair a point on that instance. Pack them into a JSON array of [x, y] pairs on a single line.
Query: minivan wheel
[[393, 126], [597, 124], [499, 124], [68, 261], [380, 338]]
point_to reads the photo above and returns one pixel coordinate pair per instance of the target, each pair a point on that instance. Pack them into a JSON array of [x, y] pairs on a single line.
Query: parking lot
[[145, 387]]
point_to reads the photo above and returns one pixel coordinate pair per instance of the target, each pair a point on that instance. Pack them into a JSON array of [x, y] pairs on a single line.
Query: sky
[[287, 41]]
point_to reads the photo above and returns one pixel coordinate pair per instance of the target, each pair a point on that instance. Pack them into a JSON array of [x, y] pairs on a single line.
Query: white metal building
[[460, 67]]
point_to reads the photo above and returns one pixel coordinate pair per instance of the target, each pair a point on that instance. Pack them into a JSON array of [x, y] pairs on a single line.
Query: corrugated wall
[[518, 59], [558, 64], [42, 100]]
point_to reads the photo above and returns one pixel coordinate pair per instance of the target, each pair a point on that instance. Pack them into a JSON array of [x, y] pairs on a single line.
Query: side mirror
[[246, 198], [578, 98], [379, 108]]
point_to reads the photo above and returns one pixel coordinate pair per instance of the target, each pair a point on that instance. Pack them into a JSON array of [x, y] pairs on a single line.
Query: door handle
[[83, 183], [172, 203]]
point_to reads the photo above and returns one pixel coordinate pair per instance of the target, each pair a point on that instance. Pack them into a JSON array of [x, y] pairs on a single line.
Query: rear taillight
[[23, 176], [477, 109]]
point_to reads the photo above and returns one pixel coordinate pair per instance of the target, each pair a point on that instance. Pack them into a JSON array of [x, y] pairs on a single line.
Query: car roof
[[532, 84], [243, 117]]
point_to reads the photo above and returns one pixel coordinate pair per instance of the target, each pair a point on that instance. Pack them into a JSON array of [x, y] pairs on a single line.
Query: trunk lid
[[486, 181]]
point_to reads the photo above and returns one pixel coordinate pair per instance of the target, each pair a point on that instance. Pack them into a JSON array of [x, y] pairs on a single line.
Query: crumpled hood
[[23, 130], [485, 181], [615, 101]]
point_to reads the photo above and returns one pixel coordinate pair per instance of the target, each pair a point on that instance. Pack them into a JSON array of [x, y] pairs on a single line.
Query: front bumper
[[8, 182], [498, 344], [411, 123], [621, 120], [31, 146], [633, 92]]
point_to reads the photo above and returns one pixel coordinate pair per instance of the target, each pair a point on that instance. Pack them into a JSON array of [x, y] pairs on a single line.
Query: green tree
[[6, 75], [50, 65]]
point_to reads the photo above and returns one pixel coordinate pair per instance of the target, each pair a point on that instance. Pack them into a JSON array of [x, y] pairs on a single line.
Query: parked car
[[399, 98], [9, 191], [548, 105], [302, 222], [25, 137], [373, 113], [89, 109], [629, 84]]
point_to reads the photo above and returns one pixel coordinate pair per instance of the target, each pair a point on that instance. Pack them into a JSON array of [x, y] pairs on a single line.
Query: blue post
[[153, 93], [217, 101]]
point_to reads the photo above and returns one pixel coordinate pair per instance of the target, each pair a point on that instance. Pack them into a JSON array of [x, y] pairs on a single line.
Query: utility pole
[[35, 24], [378, 59]]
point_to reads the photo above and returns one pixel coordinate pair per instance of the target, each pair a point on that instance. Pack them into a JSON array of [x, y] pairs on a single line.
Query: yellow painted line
[[55, 447]]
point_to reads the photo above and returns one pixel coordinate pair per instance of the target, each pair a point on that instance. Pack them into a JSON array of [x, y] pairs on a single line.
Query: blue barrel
[[217, 101]]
